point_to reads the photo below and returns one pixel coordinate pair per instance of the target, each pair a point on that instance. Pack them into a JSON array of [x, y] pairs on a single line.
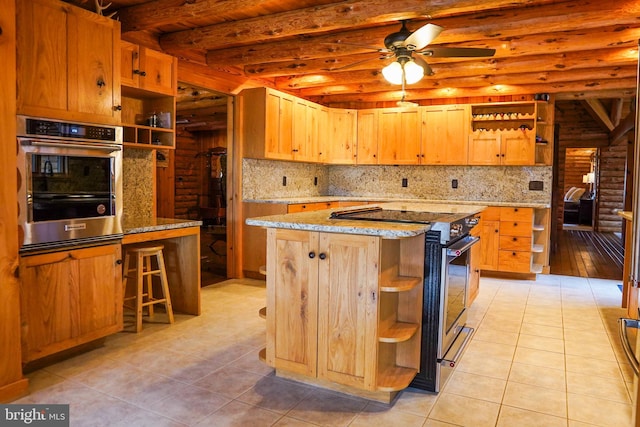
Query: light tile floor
[[545, 353]]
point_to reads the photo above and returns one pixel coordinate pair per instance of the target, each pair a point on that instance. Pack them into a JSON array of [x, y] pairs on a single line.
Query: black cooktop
[[379, 214]]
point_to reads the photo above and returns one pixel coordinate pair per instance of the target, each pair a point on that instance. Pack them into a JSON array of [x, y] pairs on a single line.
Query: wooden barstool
[[143, 274]]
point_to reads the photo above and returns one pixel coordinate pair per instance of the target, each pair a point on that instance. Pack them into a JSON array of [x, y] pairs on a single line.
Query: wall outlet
[[454, 183], [536, 185], [405, 182], [284, 181]]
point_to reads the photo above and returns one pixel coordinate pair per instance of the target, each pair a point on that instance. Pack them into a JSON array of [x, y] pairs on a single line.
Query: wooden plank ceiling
[[573, 49]]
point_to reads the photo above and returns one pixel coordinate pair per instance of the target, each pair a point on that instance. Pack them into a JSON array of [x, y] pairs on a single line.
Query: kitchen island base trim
[[378, 396]]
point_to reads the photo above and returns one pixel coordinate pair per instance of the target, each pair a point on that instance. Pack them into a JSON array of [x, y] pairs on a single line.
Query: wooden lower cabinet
[[69, 298], [512, 238], [344, 309]]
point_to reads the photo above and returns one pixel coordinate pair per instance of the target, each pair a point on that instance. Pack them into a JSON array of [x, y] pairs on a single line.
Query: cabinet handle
[[513, 253], [322, 256], [101, 83], [117, 108], [497, 155], [140, 73], [497, 231], [515, 224], [119, 262], [312, 255]]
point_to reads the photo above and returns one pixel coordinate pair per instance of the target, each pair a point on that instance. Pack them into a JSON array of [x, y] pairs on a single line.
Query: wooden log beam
[[550, 78], [324, 18], [626, 125], [572, 66], [504, 27], [579, 87], [597, 110], [616, 111], [538, 44]]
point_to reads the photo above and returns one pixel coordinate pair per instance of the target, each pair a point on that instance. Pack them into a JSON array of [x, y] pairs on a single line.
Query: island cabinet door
[[292, 300], [347, 313]]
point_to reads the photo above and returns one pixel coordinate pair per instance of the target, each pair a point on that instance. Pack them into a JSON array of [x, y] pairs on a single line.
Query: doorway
[[201, 171], [580, 189]]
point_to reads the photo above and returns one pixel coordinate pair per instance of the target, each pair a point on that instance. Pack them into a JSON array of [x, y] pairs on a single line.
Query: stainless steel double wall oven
[[69, 182]]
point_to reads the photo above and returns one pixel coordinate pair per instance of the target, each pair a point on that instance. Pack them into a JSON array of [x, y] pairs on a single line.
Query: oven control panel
[[41, 127]]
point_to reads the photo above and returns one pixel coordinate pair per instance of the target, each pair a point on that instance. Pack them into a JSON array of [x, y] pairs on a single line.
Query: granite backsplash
[[137, 184], [264, 179]]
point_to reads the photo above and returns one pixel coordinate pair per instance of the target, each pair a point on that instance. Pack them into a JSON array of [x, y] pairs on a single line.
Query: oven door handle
[[623, 324], [459, 248], [92, 146]]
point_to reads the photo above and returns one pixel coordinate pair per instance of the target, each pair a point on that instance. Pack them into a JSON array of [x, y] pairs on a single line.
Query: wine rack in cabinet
[[524, 128]]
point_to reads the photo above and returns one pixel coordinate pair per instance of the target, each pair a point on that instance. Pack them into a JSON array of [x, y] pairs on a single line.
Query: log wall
[[192, 170], [577, 129]]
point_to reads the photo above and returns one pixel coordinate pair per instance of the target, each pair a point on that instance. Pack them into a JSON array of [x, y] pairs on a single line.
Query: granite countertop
[[317, 199], [321, 221], [133, 226]]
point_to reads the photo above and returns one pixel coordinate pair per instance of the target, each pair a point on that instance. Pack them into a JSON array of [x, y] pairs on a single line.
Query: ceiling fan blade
[[363, 46], [422, 36], [427, 69], [447, 52], [353, 64]]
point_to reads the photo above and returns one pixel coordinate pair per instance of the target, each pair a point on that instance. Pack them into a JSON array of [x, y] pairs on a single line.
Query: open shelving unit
[[137, 106], [399, 312]]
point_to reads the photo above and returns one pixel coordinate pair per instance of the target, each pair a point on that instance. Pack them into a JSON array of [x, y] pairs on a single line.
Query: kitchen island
[[344, 299]]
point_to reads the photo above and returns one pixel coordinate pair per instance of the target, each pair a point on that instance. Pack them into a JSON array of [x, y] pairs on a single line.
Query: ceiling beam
[[625, 126], [503, 29], [626, 86], [597, 110], [319, 19]]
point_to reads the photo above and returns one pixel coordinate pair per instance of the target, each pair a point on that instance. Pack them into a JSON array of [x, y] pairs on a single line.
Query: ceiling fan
[[403, 44]]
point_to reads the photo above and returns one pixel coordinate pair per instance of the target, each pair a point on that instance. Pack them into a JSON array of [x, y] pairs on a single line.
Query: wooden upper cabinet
[[367, 153], [67, 62], [445, 133], [279, 126], [309, 130], [148, 69], [399, 136], [343, 129]]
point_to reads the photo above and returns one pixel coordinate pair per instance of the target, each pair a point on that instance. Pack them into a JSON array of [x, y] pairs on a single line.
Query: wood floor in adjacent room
[[588, 254]]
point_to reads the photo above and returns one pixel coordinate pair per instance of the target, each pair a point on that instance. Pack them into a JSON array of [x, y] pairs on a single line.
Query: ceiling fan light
[[413, 72], [393, 73]]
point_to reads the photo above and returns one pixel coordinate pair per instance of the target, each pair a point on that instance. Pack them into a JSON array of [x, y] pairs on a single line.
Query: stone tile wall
[[262, 179]]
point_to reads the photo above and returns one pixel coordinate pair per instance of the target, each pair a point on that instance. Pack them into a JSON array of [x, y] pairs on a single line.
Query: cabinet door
[[321, 149], [41, 57], [68, 63], [489, 244], [399, 137], [342, 137], [94, 77], [445, 133], [160, 72], [129, 64], [305, 130], [69, 298], [279, 129], [367, 137], [484, 148], [518, 148], [348, 298], [292, 295]]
